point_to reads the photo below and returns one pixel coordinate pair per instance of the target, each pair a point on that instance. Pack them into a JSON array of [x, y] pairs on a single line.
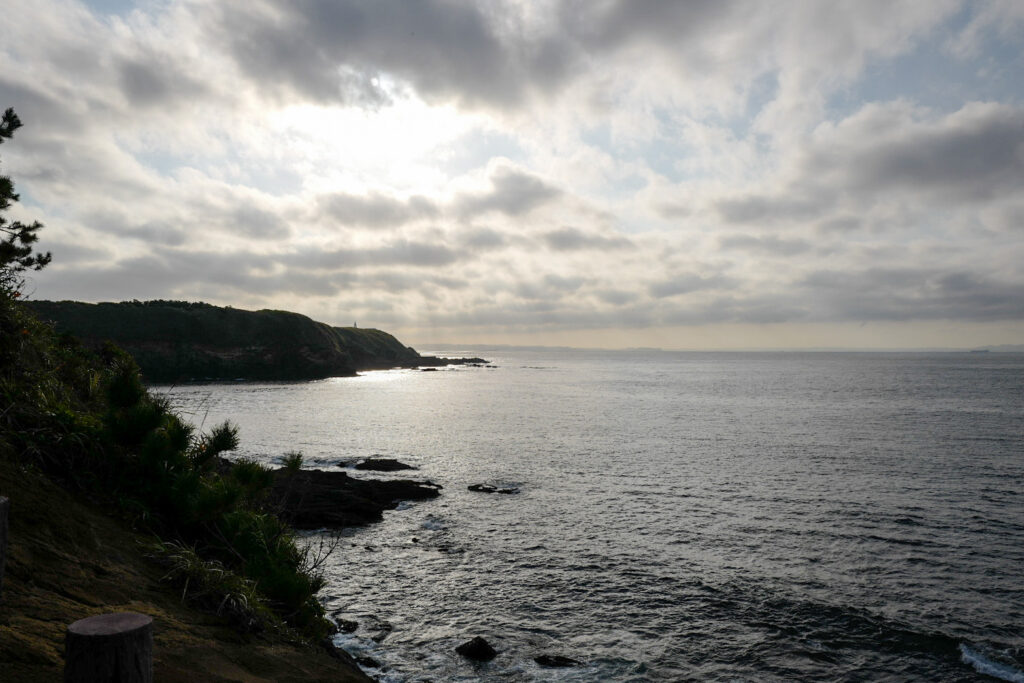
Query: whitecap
[[433, 524], [984, 665]]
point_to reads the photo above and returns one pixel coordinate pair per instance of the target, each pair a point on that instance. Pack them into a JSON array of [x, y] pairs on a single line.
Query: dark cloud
[[970, 156], [550, 287], [765, 245], [374, 210], [513, 193], [839, 224], [613, 24], [251, 221], [685, 284], [617, 297], [157, 232], [903, 294], [38, 109], [484, 238], [151, 80], [756, 309], [574, 239], [399, 252], [333, 50], [768, 209], [69, 253]]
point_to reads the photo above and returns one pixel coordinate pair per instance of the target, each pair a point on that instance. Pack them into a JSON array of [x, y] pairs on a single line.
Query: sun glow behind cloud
[[393, 147], [621, 173]]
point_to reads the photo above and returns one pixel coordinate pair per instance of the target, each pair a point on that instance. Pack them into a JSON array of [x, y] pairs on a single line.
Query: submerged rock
[[347, 625], [383, 465], [477, 649], [368, 662], [556, 661], [487, 488]]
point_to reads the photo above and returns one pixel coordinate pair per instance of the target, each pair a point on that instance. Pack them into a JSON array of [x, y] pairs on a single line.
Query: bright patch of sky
[[111, 7], [933, 77]]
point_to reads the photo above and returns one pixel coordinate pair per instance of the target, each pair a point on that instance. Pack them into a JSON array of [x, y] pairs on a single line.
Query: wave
[[990, 667]]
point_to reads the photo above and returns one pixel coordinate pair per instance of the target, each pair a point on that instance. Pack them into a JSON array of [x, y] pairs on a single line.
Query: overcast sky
[[583, 172]]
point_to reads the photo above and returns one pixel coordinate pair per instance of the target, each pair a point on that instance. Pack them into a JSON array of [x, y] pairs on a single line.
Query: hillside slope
[[68, 560]]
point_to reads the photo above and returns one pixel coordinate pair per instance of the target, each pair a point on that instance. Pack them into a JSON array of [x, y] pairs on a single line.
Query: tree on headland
[[16, 238]]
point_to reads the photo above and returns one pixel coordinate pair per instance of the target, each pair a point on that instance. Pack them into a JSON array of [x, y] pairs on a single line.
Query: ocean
[[680, 516]]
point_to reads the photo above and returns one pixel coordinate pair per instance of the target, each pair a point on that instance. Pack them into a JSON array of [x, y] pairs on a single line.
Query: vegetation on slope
[[70, 559]]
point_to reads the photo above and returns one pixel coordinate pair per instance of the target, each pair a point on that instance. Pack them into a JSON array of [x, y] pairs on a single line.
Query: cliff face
[[375, 350], [178, 341]]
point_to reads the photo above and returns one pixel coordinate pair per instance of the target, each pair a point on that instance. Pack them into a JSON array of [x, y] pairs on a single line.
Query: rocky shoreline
[[327, 499]]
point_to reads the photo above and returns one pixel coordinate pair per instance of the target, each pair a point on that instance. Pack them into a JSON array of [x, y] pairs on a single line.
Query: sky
[[598, 173]]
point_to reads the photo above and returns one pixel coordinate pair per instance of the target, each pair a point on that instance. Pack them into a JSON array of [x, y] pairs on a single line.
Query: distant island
[[175, 341]]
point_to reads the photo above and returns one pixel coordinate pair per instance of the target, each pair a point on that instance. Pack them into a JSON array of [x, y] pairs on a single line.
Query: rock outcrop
[[382, 465], [313, 499], [487, 488], [477, 649]]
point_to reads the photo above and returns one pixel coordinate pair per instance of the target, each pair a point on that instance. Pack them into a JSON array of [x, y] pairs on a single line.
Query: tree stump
[[110, 648], [5, 508]]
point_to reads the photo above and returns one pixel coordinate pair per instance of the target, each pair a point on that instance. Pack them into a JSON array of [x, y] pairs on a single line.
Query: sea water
[[680, 516]]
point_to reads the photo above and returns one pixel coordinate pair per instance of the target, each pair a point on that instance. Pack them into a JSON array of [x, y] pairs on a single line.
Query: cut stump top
[[110, 624]]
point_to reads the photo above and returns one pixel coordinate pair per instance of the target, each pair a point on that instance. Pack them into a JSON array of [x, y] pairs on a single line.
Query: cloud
[[574, 239], [904, 294], [686, 284], [484, 238], [374, 210], [340, 51], [765, 245], [397, 252], [513, 192], [890, 154], [973, 154]]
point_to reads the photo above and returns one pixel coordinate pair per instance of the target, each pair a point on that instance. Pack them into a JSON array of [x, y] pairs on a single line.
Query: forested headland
[[175, 341]]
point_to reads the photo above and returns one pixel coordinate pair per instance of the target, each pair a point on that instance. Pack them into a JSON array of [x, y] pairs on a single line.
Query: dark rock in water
[[477, 649], [487, 488], [434, 361], [347, 625], [313, 499], [383, 630], [366, 661], [383, 465], [556, 661], [428, 369]]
